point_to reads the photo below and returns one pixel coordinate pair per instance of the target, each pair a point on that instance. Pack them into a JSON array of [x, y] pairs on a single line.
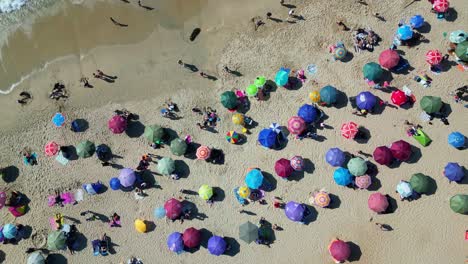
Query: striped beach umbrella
[[363, 182], [434, 57], [203, 152], [51, 149], [322, 199], [297, 163], [340, 53], [349, 130], [232, 137], [296, 125]]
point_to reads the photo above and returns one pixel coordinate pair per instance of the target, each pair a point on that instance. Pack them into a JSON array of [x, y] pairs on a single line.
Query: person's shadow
[[235, 246]]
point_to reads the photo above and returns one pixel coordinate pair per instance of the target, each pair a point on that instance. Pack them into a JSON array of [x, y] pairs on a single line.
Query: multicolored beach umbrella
[[232, 137]]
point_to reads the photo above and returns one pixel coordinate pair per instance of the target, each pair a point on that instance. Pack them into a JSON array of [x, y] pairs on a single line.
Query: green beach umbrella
[[260, 81], [56, 240], [372, 71], [459, 203], [251, 90], [85, 149], [357, 166], [420, 183], [178, 147], [462, 51], [166, 166], [328, 94], [431, 104], [248, 232], [154, 133], [229, 100], [36, 258]]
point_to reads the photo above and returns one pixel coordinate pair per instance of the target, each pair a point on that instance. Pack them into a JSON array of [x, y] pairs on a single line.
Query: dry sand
[[426, 230]]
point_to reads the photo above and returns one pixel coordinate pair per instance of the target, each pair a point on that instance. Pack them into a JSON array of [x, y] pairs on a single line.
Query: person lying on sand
[[25, 98], [118, 23]]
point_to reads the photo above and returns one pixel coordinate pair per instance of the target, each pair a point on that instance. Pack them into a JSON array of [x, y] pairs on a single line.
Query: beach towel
[[18, 211], [26, 160], [61, 159], [68, 198], [241, 200]]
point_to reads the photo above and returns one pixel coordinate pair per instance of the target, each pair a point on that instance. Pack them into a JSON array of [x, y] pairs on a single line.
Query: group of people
[[365, 39], [58, 92]]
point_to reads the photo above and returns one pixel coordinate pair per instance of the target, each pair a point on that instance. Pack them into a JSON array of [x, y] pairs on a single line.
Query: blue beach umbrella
[[416, 21], [308, 112], [456, 139], [282, 76], [405, 32], [159, 212], [175, 243], [454, 172], [335, 157], [58, 119], [342, 177], [404, 189], [114, 183], [216, 245], [267, 138], [10, 231], [254, 179], [366, 100]]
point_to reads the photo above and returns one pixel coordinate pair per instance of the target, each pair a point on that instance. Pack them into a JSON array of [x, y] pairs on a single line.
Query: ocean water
[[7, 6]]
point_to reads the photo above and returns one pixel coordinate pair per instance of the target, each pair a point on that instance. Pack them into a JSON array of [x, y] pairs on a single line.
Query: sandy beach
[[144, 58]]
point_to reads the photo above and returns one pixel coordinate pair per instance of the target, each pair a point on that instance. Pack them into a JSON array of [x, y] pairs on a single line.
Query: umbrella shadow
[[294, 83], [372, 169], [81, 242], [242, 140], [341, 99], [270, 182], [356, 252], [451, 14], [312, 215], [349, 56], [216, 157], [82, 124], [432, 186], [205, 236], [415, 155], [57, 259], [309, 166], [363, 135], [2, 256], [425, 28], [335, 201], [375, 184], [386, 77], [191, 152], [170, 134], [270, 87], [10, 174], [135, 129], [148, 177], [182, 169], [150, 226], [446, 109], [446, 65], [219, 194], [234, 246], [392, 205], [69, 152]]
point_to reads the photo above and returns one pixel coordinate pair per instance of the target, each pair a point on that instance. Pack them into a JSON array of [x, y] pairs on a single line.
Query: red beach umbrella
[[173, 208], [349, 130], [434, 57], [399, 97], [51, 149], [296, 125], [191, 237], [283, 168], [339, 250], [117, 124], [389, 58], [363, 182], [441, 6], [203, 152], [377, 202], [401, 150], [383, 155]]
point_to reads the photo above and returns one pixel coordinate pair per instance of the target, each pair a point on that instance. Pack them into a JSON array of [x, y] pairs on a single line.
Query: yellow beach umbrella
[[205, 192], [321, 199], [238, 119], [314, 96], [244, 191], [140, 226]]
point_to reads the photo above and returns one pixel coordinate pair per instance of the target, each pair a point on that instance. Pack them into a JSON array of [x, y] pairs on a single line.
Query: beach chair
[[422, 138], [61, 159]]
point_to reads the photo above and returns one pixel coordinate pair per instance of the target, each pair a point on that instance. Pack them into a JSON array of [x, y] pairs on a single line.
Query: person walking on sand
[[85, 81], [204, 75]]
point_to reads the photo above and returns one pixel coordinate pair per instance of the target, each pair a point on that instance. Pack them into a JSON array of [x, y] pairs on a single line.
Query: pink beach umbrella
[[283, 168], [377, 202], [296, 125], [3, 198], [297, 163], [51, 148], [433, 57], [441, 6], [363, 182], [117, 124]]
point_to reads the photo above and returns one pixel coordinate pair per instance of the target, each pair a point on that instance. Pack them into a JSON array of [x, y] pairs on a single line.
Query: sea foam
[[7, 6]]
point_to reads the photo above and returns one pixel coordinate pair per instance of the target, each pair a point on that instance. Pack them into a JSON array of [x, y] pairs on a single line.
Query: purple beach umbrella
[[335, 157], [294, 211], [216, 245], [127, 177], [454, 172], [366, 100], [175, 243]]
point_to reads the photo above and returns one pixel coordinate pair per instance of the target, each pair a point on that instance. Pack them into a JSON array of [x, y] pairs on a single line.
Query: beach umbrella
[[454, 172], [377, 202], [339, 250], [401, 150], [349, 130], [275, 127], [322, 199], [254, 179], [56, 240], [433, 57], [357, 166], [296, 125], [404, 189], [456, 139], [383, 155], [117, 124], [248, 232], [244, 192], [229, 100], [205, 192], [340, 53], [283, 168], [405, 32], [251, 90], [191, 237], [203, 152], [103, 152], [260, 81], [3, 198], [314, 96], [216, 245], [342, 177], [232, 137], [58, 119], [127, 177], [398, 97], [308, 113], [462, 51], [267, 137], [363, 182], [441, 6], [175, 242], [159, 212], [178, 147], [458, 36], [294, 211], [431, 104], [366, 100], [389, 58], [51, 149], [372, 71], [459, 203], [328, 95], [281, 78], [166, 166], [93, 188], [420, 183], [36, 258], [140, 226], [416, 21], [85, 149], [10, 231], [173, 208], [238, 119], [114, 183], [154, 133], [335, 157], [297, 163]]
